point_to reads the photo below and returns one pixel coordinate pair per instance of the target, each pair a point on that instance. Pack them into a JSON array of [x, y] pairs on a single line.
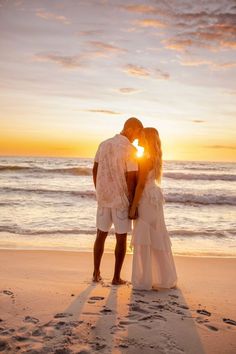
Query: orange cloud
[[68, 62], [89, 33], [136, 70], [154, 23], [104, 111], [128, 90], [104, 49], [51, 16], [177, 44], [142, 9], [140, 71], [212, 65], [228, 147]]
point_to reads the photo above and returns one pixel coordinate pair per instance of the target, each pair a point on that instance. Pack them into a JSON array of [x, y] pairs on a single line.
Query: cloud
[[105, 49], [128, 90], [141, 9], [190, 61], [150, 23], [136, 70], [204, 34], [51, 16], [98, 49], [161, 75], [179, 45], [89, 33], [67, 62], [142, 72], [209, 25], [104, 111], [227, 65], [229, 147], [198, 121], [194, 62]]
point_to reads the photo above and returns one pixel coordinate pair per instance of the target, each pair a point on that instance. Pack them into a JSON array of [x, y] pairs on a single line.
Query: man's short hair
[[133, 123]]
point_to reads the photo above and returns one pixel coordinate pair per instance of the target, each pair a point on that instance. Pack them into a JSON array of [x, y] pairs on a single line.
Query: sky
[[72, 72]]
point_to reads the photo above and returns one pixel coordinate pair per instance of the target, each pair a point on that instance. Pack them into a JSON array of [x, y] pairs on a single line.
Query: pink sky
[[73, 71]]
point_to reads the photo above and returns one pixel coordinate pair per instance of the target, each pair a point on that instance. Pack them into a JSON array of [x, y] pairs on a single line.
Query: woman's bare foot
[[118, 282]]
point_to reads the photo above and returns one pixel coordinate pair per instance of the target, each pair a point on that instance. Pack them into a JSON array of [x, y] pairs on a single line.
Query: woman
[[153, 263]]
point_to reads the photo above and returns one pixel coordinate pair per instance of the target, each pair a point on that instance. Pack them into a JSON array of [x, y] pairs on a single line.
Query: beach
[[48, 304]]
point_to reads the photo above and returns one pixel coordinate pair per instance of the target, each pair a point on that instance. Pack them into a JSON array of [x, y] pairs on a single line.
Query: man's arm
[[131, 180], [95, 171]]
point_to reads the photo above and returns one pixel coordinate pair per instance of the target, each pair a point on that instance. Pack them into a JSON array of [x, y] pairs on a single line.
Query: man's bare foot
[[97, 277], [118, 282]]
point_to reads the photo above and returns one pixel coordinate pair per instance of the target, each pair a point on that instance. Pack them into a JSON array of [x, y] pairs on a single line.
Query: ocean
[[50, 204]]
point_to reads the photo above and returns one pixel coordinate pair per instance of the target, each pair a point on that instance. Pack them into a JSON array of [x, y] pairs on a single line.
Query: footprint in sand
[[145, 318], [96, 298], [136, 308], [20, 338], [126, 322], [4, 346], [62, 351], [201, 320], [63, 314], [132, 315], [212, 328], [31, 319], [7, 331], [184, 307], [160, 317], [229, 321], [7, 292], [139, 293], [141, 301], [106, 311], [37, 332], [63, 325], [204, 312]]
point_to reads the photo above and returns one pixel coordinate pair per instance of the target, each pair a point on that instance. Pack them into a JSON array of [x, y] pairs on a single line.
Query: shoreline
[[48, 302], [112, 252]]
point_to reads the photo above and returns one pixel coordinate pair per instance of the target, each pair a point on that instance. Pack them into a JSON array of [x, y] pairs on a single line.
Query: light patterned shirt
[[115, 157]]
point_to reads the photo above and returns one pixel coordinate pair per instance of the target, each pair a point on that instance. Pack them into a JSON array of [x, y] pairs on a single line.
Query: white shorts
[[108, 216]]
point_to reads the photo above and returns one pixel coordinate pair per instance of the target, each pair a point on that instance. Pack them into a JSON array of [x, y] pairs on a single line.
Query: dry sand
[[48, 304]]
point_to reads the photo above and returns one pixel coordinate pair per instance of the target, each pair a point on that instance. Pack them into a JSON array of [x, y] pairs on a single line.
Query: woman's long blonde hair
[[154, 149]]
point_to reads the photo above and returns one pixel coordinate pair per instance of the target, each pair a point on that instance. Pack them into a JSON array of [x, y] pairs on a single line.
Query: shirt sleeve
[[131, 162]]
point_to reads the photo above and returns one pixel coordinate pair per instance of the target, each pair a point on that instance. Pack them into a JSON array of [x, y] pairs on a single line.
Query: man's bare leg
[[120, 252], [98, 250]]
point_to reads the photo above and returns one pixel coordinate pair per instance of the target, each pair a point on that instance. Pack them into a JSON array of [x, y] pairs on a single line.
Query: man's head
[[132, 129]]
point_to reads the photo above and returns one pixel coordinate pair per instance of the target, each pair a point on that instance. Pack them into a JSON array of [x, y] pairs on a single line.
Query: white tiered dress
[[153, 263]]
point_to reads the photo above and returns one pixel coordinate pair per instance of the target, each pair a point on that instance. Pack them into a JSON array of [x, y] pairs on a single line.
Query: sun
[[140, 149]]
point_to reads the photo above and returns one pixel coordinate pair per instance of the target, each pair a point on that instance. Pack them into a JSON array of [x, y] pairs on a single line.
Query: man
[[114, 175]]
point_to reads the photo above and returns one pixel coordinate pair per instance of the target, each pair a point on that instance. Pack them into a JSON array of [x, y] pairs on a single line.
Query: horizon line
[[80, 157]]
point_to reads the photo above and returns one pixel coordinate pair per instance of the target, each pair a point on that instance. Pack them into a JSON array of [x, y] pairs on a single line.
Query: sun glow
[[140, 149]]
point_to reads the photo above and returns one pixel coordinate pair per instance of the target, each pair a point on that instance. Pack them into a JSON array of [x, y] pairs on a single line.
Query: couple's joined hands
[[133, 213]]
